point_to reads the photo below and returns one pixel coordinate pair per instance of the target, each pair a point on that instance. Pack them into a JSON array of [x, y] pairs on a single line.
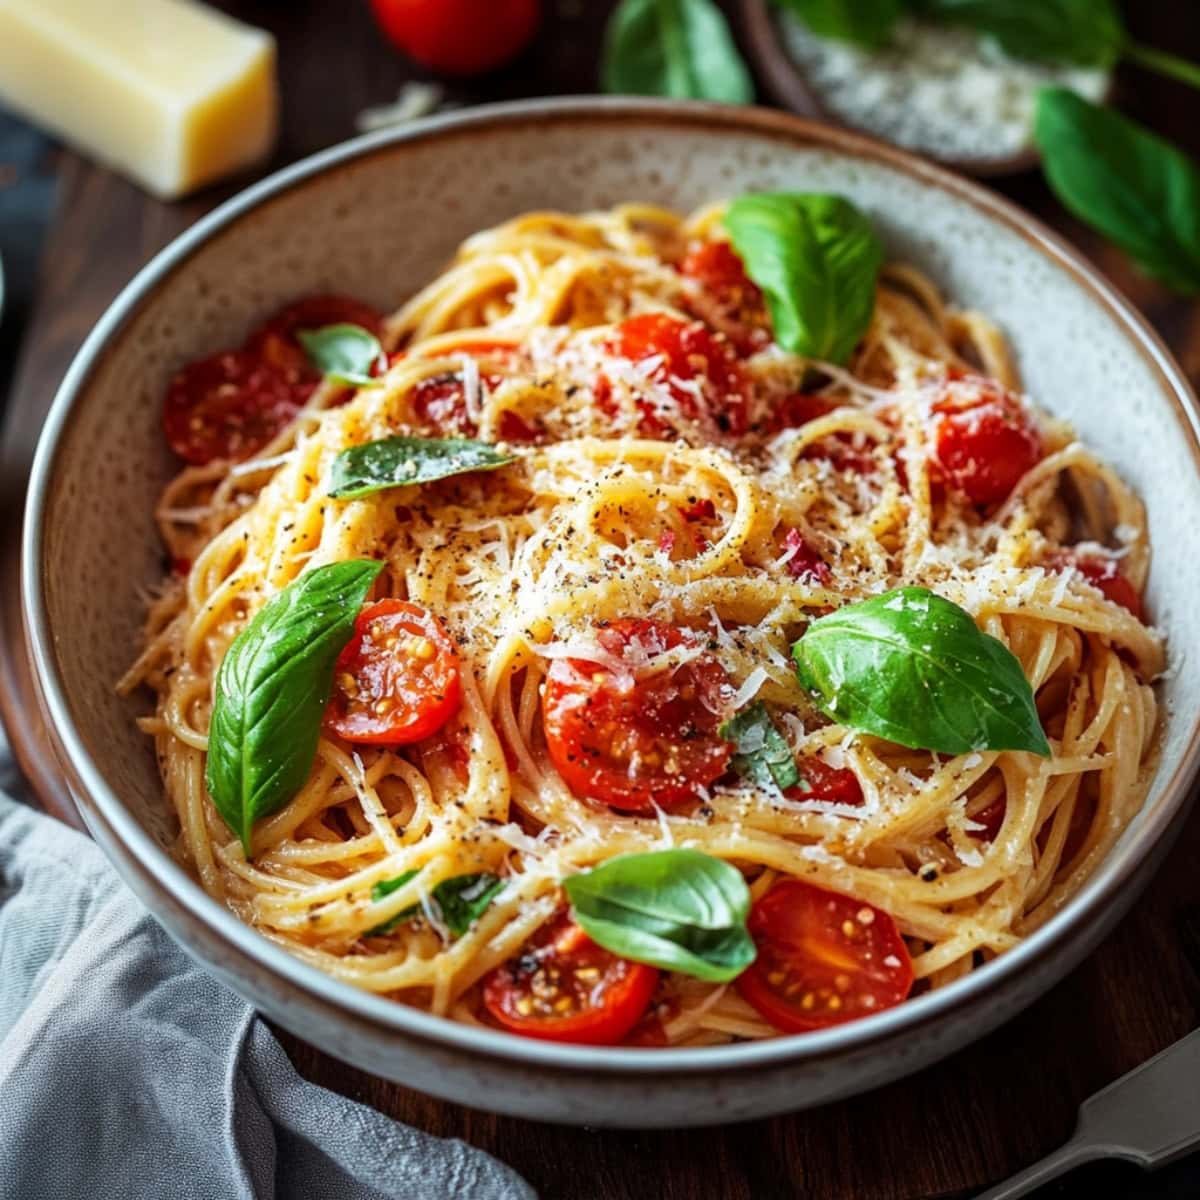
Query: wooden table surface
[[970, 1120]]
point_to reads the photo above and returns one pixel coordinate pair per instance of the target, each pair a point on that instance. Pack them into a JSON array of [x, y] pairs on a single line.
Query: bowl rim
[[388, 1016]]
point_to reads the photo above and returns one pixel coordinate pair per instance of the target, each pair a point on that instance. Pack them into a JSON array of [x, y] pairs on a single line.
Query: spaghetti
[[713, 484]]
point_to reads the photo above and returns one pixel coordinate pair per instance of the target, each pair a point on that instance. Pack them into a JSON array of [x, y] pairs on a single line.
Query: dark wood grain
[[970, 1120]]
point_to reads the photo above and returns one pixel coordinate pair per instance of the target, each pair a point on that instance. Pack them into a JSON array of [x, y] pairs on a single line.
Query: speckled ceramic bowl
[[378, 217]]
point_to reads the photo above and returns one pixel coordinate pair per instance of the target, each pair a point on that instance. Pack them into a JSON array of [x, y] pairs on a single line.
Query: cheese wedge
[[169, 92]]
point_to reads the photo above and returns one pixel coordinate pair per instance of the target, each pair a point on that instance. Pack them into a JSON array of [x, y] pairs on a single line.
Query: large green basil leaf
[[343, 353], [398, 461], [679, 48], [864, 22], [272, 688], [1124, 181], [761, 752], [816, 258], [460, 900], [914, 668], [1086, 32], [676, 909]]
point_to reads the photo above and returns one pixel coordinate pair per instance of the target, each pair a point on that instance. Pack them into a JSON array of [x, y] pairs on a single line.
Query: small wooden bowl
[[787, 85]]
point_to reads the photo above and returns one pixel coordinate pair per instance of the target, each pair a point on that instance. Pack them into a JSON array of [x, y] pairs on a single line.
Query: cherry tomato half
[[396, 681], [798, 408], [723, 294], [632, 740], [1102, 572], [275, 341], [823, 958], [687, 353], [805, 563], [228, 406], [833, 785], [565, 988], [441, 400], [983, 440], [459, 37]]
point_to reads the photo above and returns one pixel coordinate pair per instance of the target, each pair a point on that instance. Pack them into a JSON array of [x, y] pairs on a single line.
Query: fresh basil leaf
[[1085, 32], [1122, 180], [460, 900], [914, 668], [676, 909], [864, 22], [816, 258], [680, 48], [762, 754], [397, 461], [464, 899], [272, 688], [343, 353]]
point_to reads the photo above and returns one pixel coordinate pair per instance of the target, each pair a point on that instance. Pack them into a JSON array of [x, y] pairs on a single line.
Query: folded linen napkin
[[126, 1071]]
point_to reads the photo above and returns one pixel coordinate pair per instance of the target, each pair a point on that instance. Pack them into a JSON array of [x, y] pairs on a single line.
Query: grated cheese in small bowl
[[940, 91]]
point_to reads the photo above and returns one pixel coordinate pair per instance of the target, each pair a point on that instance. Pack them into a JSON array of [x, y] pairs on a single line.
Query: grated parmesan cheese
[[938, 90]]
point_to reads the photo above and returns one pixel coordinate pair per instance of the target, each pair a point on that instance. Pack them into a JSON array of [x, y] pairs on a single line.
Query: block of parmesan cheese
[[169, 92]]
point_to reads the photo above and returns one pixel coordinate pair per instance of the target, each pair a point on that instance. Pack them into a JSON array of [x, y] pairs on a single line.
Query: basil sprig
[[1085, 32], [343, 353], [761, 752], [1132, 186], [676, 909], [914, 668], [397, 461], [864, 22], [460, 900], [816, 258], [679, 48], [272, 688]]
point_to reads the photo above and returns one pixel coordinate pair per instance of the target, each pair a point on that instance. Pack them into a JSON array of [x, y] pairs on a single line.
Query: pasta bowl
[[376, 218]]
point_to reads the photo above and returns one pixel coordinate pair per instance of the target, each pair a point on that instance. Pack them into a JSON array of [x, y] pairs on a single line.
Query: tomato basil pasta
[[643, 635]]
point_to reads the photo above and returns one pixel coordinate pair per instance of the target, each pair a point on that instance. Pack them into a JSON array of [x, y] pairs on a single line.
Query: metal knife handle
[[1065, 1158], [1149, 1116]]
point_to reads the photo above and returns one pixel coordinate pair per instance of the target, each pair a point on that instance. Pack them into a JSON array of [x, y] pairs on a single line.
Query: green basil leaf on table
[[343, 353], [912, 667], [1125, 182], [460, 900], [680, 48], [399, 461], [1083, 32], [272, 688], [816, 258], [761, 753], [675, 909], [864, 22]]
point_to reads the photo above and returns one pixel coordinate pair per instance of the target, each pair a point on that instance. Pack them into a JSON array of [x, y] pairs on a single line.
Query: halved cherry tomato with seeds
[[823, 958], [565, 988], [1104, 573], [724, 295], [832, 785], [695, 374], [397, 680], [635, 738], [983, 440], [228, 406], [275, 341]]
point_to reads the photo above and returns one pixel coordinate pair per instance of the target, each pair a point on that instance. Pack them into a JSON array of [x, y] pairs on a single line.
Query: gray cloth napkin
[[125, 1071]]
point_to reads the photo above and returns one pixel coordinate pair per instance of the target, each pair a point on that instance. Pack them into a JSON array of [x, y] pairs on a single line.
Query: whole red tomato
[[459, 37]]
